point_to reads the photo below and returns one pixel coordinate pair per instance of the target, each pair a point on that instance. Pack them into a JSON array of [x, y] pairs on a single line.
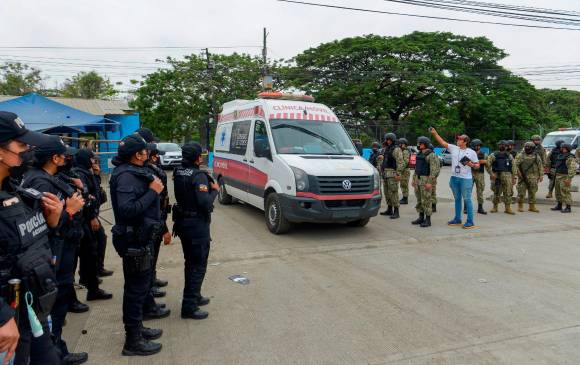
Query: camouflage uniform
[[424, 196], [479, 178], [406, 175], [503, 184], [540, 151], [565, 171], [390, 185], [551, 158], [529, 167]]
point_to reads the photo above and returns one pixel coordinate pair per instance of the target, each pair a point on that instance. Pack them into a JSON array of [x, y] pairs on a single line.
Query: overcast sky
[[221, 23]]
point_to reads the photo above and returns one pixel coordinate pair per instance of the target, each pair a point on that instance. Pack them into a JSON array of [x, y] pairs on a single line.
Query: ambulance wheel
[[359, 223], [223, 197], [275, 219]]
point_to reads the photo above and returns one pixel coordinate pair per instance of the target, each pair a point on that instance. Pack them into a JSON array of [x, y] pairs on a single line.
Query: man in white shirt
[[463, 159]]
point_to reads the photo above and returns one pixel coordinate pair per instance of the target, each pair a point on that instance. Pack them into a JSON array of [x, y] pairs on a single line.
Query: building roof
[[92, 106]]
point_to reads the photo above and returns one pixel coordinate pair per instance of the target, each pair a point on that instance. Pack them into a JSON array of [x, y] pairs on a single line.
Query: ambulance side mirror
[[262, 149]]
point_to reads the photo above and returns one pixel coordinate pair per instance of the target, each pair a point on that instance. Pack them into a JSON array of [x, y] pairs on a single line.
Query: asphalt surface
[[388, 293]]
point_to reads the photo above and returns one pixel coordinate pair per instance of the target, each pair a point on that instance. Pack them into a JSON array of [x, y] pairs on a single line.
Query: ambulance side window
[[261, 143], [239, 138]]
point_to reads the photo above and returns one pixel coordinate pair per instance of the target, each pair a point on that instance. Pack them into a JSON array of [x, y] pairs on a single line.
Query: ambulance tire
[[223, 197], [275, 219], [359, 223]]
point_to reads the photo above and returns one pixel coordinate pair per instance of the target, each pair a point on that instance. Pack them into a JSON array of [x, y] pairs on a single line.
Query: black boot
[[201, 301], [434, 208], [567, 209], [98, 294], [104, 273], [193, 313], [404, 201], [395, 213], [78, 307], [480, 209], [136, 345], [389, 211], [156, 313], [557, 207], [75, 358], [157, 293], [151, 334], [427, 222], [419, 220], [160, 283]]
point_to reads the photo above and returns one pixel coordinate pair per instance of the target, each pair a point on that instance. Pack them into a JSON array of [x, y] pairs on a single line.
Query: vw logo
[[346, 185]]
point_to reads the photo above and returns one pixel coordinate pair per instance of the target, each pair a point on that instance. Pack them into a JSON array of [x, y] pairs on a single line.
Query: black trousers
[[34, 350], [136, 290], [195, 254], [89, 260], [101, 237]]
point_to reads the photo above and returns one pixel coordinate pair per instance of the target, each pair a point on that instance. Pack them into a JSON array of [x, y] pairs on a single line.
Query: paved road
[[389, 293]]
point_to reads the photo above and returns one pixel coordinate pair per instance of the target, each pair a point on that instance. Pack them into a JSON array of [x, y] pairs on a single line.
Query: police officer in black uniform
[[154, 165], [65, 239], [136, 207], [25, 252], [100, 234], [89, 256], [195, 192]]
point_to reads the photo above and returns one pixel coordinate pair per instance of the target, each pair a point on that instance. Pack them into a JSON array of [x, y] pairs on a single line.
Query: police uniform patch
[[203, 188]]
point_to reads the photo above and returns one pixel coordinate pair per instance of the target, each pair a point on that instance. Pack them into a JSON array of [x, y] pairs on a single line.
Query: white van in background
[[293, 159]]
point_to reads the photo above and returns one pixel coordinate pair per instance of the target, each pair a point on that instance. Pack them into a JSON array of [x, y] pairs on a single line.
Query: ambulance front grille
[[336, 184]]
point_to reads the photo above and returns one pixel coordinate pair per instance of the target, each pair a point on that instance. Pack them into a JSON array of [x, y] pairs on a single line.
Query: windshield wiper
[[306, 131]]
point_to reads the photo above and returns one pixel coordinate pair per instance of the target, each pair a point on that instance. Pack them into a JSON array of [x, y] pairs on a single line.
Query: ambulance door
[[238, 169], [259, 162]]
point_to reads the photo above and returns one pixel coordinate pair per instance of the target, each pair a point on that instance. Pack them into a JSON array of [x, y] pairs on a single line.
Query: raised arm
[[438, 138]]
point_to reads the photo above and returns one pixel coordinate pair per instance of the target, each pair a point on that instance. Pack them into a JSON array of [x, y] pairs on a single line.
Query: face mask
[[502, 148], [528, 150], [27, 158]]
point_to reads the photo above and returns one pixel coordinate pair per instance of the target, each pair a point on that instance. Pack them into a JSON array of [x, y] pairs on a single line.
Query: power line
[[125, 48], [528, 9], [424, 16]]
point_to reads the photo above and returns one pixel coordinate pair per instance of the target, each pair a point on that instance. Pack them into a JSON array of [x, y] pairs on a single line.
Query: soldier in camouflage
[[479, 174], [539, 149], [405, 177], [551, 160], [500, 166], [529, 168], [565, 172], [425, 176], [392, 165]]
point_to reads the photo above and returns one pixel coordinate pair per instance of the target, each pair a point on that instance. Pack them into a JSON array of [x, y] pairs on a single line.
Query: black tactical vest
[[183, 178], [389, 161], [422, 167], [502, 162], [561, 167], [554, 157]]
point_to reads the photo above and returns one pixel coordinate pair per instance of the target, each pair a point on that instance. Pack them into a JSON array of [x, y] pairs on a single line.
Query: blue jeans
[[462, 189]]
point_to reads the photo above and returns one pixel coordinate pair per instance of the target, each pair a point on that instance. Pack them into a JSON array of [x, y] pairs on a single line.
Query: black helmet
[[567, 146], [510, 142], [559, 143], [403, 141], [475, 142], [424, 140], [391, 136], [502, 143]]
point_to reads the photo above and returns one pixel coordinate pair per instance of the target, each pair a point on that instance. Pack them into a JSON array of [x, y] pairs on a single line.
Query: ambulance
[[293, 159]]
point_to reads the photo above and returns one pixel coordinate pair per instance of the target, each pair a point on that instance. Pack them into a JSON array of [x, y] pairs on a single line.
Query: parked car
[[172, 156], [445, 158]]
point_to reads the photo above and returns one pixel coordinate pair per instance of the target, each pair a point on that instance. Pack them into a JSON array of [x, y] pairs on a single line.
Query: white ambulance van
[[293, 159]]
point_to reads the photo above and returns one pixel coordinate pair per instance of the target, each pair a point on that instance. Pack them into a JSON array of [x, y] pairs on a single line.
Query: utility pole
[[210, 66], [267, 81]]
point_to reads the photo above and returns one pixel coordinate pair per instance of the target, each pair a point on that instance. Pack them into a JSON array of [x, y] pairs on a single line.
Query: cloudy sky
[[238, 23]]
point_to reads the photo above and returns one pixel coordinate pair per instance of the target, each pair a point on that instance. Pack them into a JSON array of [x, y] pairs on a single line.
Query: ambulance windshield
[[308, 137]]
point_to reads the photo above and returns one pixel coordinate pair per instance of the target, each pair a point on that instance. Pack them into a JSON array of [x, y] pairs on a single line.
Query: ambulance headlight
[[301, 179], [377, 179]]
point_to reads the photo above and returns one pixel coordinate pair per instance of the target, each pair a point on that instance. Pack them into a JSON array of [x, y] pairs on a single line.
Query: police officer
[[406, 175], [65, 239], [500, 166], [25, 252], [195, 192], [89, 256], [426, 172], [530, 169], [565, 172], [375, 153], [135, 200], [552, 160], [392, 167], [154, 165], [479, 174], [100, 234]]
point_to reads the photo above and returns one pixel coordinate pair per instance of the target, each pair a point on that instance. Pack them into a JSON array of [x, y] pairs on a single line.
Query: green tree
[[176, 102], [88, 85], [19, 79], [561, 108]]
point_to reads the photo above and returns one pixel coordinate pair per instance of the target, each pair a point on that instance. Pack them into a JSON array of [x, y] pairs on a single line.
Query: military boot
[[549, 196], [419, 220], [533, 208], [520, 206], [567, 209], [404, 200], [427, 222], [136, 345], [434, 208], [508, 209], [480, 209], [557, 207], [494, 209], [389, 211], [395, 213]]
